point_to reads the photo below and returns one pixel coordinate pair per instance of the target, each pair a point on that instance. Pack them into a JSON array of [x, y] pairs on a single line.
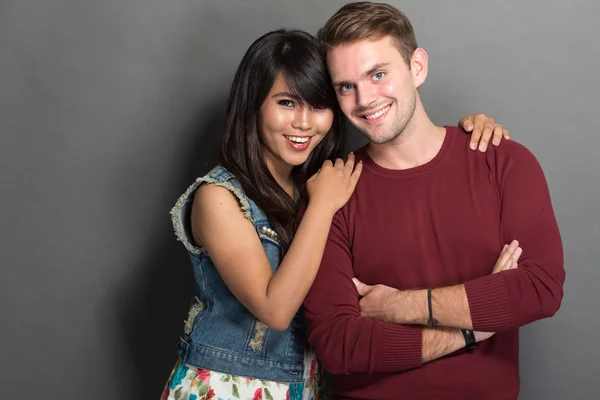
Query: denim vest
[[220, 334]]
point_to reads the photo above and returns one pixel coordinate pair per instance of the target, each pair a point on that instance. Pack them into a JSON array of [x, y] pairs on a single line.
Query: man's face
[[375, 87]]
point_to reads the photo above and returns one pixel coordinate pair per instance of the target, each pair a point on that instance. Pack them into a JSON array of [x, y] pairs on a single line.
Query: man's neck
[[419, 143]]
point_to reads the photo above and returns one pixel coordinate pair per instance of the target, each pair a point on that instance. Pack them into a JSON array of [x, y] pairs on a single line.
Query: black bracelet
[[469, 339], [432, 322]]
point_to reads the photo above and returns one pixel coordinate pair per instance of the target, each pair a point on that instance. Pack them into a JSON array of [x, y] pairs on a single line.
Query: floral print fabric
[[191, 383]]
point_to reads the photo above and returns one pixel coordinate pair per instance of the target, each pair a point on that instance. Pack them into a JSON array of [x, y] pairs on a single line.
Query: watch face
[[469, 339]]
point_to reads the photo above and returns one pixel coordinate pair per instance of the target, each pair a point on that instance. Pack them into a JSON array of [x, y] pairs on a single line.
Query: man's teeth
[[378, 113], [297, 139]]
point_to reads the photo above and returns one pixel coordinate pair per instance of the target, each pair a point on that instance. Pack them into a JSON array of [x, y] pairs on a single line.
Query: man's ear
[[418, 66]]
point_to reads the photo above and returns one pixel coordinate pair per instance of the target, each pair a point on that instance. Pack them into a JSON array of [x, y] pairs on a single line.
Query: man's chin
[[375, 137]]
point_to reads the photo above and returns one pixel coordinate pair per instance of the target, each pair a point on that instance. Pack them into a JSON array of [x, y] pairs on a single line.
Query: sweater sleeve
[[534, 290], [344, 341]]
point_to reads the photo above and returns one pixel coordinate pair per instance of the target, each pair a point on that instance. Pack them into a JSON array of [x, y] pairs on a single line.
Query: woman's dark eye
[[286, 103]]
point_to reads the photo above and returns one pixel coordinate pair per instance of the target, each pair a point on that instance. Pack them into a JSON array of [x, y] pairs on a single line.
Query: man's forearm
[[440, 342], [450, 307]]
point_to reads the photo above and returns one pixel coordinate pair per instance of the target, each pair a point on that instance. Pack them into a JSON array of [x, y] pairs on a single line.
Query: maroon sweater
[[439, 224]]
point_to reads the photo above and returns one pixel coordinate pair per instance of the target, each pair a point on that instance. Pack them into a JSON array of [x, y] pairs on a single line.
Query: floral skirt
[[191, 383]]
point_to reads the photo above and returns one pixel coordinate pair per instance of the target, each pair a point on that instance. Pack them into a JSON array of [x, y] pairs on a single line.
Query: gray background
[[108, 110]]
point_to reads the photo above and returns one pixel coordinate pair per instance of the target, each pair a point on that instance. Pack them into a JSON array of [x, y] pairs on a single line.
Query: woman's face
[[289, 128]]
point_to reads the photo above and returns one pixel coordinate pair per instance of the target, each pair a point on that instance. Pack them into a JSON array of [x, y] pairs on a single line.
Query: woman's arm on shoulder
[[234, 246]]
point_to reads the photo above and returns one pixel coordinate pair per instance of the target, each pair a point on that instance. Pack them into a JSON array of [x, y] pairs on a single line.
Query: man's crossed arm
[[449, 305]]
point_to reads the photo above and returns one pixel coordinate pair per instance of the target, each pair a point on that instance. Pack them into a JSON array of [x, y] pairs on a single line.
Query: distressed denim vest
[[220, 334]]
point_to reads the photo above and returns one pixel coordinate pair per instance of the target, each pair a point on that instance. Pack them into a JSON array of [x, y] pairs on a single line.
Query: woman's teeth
[[378, 113], [297, 139]]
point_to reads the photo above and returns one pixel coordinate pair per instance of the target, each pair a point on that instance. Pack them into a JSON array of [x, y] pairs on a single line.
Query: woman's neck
[[282, 172]]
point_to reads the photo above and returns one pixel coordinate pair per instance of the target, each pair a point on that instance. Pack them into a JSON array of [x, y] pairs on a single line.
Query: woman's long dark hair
[[297, 54]]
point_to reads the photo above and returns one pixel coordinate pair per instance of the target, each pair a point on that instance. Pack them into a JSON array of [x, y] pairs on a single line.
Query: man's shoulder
[[511, 151], [511, 159], [506, 150], [360, 153]]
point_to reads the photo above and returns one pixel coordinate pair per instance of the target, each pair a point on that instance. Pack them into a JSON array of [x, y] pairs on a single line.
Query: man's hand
[[508, 258], [387, 304], [481, 336], [450, 303]]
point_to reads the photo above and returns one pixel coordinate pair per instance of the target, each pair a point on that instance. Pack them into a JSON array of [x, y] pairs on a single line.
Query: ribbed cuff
[[401, 347], [489, 304]]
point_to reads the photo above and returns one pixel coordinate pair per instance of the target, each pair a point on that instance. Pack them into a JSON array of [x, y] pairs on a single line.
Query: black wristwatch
[[469, 336]]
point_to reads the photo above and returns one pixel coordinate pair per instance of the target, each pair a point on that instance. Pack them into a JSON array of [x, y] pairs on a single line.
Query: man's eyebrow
[[340, 83], [371, 70], [374, 68]]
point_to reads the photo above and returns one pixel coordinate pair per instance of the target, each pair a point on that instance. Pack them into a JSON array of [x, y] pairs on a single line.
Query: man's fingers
[[516, 255], [360, 287], [503, 251], [510, 253], [503, 259]]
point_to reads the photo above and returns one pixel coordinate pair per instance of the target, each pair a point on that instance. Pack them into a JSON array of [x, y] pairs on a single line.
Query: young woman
[[244, 337]]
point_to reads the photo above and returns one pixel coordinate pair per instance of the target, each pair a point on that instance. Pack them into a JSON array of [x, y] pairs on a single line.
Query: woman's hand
[[332, 186], [483, 128]]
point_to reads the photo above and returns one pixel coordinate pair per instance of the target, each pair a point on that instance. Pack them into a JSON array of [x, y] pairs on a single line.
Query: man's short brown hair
[[367, 20]]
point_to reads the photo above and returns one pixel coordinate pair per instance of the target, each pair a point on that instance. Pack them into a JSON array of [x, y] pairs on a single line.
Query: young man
[[425, 226]]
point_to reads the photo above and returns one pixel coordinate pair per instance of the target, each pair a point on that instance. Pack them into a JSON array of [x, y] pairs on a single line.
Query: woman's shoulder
[[220, 190]]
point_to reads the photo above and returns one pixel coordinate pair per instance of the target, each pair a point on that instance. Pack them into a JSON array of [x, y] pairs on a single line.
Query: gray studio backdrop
[[108, 109]]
